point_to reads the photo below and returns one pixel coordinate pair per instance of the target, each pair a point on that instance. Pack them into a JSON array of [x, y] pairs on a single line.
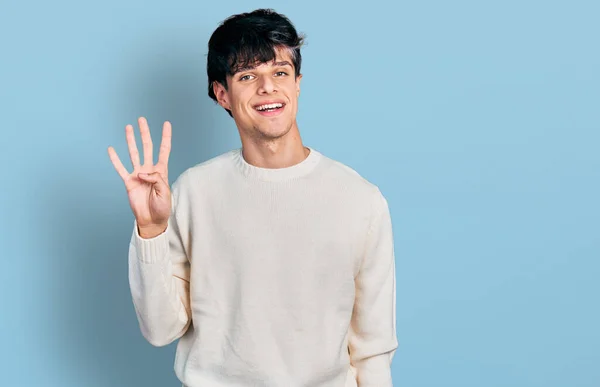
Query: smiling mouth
[[270, 107]]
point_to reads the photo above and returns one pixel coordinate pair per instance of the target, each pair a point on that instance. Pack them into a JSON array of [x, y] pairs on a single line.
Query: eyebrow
[[276, 64]]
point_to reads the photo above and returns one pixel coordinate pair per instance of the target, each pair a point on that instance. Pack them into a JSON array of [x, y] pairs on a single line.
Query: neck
[[276, 153]]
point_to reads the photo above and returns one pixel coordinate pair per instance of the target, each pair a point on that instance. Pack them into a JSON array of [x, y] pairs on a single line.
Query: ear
[[222, 95], [298, 78]]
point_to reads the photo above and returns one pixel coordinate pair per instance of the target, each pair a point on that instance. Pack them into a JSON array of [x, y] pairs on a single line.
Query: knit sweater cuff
[[151, 250]]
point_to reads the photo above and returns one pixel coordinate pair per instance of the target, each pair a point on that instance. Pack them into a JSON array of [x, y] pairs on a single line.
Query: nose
[[266, 85]]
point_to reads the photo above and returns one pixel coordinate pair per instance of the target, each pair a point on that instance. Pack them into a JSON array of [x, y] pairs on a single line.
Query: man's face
[[263, 99]]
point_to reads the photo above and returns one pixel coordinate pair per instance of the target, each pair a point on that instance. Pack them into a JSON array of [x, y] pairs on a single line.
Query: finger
[[165, 145], [134, 155], [156, 179], [121, 170], [146, 141]]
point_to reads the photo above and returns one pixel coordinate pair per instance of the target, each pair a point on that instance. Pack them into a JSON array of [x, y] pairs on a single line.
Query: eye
[[281, 72], [245, 77]]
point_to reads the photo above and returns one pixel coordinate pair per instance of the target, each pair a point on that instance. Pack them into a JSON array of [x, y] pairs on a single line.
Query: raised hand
[[148, 185]]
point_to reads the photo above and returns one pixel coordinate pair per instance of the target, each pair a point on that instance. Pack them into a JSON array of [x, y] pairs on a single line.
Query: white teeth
[[269, 106]]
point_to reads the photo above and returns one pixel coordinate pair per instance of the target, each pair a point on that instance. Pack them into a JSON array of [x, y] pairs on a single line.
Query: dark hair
[[249, 38]]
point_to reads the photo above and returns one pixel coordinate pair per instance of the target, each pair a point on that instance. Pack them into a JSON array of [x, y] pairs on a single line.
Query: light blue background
[[479, 121]]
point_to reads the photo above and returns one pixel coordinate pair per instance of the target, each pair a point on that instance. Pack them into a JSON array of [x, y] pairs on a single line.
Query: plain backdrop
[[479, 121]]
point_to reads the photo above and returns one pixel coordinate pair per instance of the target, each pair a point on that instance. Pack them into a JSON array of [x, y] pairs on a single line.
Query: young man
[[272, 264]]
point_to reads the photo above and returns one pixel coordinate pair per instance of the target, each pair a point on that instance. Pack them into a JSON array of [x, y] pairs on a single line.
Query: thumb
[[156, 179]]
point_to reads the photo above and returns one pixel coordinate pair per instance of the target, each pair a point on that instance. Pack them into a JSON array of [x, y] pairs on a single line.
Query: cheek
[[241, 103]]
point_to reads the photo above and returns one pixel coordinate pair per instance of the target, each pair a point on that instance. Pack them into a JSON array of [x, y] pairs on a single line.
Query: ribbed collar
[[276, 174]]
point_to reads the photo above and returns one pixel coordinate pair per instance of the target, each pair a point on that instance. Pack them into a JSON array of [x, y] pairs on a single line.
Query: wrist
[[152, 231]]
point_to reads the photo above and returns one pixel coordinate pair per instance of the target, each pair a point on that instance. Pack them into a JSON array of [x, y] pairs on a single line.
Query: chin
[[273, 132]]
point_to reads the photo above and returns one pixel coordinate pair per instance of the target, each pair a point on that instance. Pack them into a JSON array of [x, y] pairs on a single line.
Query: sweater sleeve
[[159, 277], [372, 334]]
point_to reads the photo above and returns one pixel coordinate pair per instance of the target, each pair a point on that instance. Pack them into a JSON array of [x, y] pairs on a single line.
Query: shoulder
[[197, 175], [347, 178], [352, 189], [355, 193]]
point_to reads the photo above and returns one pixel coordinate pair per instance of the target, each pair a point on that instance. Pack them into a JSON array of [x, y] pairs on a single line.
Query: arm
[[372, 334], [159, 276]]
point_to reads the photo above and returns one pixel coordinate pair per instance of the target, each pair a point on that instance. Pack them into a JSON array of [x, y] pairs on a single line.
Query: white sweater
[[271, 277]]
